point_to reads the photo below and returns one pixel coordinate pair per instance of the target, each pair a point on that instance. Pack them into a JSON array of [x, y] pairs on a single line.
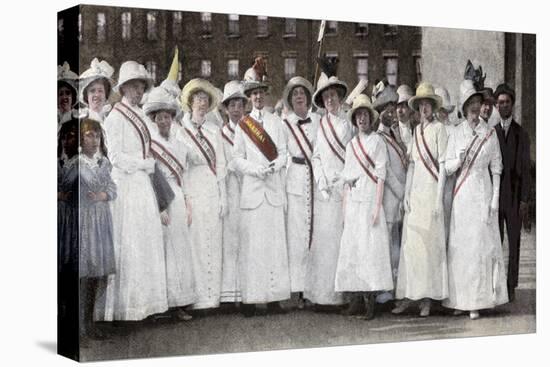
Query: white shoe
[[425, 308], [401, 307], [474, 315]]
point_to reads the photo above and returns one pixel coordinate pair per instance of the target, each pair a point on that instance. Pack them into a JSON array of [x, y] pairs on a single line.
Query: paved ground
[[300, 329]]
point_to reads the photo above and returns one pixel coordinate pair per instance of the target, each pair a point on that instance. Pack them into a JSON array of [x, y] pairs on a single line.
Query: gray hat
[[251, 85], [385, 96]]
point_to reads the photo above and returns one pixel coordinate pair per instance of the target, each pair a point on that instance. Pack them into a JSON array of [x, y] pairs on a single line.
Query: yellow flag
[[174, 68]]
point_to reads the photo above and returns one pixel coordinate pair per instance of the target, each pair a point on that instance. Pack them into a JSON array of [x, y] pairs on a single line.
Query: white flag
[[321, 30]]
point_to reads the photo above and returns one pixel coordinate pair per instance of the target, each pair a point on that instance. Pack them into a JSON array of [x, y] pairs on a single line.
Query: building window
[[233, 69], [206, 68], [151, 67], [177, 24], [233, 25], [206, 19], [152, 26], [60, 27], [361, 29], [126, 19], [101, 23], [290, 27], [290, 67], [262, 26], [418, 67], [332, 27], [390, 30], [180, 71], [391, 70], [79, 27], [362, 68]]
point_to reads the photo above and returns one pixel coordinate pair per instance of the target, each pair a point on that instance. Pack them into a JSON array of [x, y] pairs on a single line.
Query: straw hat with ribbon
[[362, 101], [294, 82], [198, 85], [99, 70], [233, 90], [131, 70], [425, 91], [446, 104], [325, 83], [467, 92], [68, 77]]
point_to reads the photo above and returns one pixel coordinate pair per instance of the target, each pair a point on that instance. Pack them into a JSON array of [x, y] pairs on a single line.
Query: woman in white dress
[[364, 266], [335, 131], [422, 273], [171, 154], [205, 190], [234, 101], [477, 277], [95, 90], [138, 288], [301, 127]]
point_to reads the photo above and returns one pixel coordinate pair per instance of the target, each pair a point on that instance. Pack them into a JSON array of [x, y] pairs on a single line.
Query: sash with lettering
[[228, 133], [164, 156], [140, 126], [395, 145], [205, 147], [425, 154], [335, 144], [365, 161], [470, 156], [259, 137], [307, 150]]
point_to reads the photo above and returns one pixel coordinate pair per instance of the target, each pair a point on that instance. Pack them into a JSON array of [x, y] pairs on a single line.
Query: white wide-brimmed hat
[[405, 93], [294, 82], [425, 91], [385, 94], [198, 85], [131, 70], [362, 101], [70, 78], [98, 70], [467, 91], [233, 90], [325, 83], [160, 99], [446, 99]]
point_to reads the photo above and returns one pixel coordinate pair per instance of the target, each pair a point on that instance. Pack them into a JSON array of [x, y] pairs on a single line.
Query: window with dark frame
[[290, 68], [392, 70], [101, 23], [151, 67], [290, 27], [152, 34], [233, 24], [206, 68], [80, 27], [390, 30], [262, 26], [126, 20], [331, 27], [362, 68], [233, 69], [361, 29], [177, 24], [206, 19]]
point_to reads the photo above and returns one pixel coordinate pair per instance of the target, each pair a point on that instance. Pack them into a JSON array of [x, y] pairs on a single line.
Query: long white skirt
[[297, 237], [263, 258]]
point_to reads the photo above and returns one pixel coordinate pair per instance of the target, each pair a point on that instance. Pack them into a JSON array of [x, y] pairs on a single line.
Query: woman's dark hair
[[153, 114], [94, 125], [106, 84], [67, 127], [308, 95], [62, 83]]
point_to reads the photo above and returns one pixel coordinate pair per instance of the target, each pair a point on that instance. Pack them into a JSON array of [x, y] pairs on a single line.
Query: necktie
[[304, 121]]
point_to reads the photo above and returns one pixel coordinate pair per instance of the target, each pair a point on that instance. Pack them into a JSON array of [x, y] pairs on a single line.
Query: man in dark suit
[[515, 179]]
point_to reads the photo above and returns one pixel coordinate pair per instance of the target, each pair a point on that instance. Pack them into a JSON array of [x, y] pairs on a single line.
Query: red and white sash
[[425, 154], [470, 156], [164, 156], [335, 144], [140, 126], [365, 161], [307, 150], [205, 147], [228, 133], [395, 145], [260, 137]]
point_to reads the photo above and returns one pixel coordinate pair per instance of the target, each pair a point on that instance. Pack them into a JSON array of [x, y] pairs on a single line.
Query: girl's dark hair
[[94, 125], [62, 83], [69, 126]]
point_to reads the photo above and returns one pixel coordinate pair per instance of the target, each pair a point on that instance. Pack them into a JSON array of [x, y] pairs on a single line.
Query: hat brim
[[148, 84], [413, 102], [236, 95], [288, 90], [338, 85], [195, 86], [249, 89], [372, 112], [480, 94]]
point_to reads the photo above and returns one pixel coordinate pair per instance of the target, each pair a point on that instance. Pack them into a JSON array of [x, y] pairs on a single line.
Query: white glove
[[148, 165]]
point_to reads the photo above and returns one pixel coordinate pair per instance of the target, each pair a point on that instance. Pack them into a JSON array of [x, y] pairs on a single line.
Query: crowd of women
[[166, 207]]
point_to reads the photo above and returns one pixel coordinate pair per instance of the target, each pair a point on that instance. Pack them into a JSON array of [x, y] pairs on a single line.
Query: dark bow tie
[[304, 121]]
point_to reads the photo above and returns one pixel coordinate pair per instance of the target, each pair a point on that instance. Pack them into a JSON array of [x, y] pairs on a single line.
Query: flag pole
[[320, 39]]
